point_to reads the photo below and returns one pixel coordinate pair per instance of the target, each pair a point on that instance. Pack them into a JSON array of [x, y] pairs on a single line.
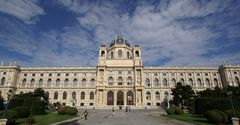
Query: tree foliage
[[182, 95], [39, 92]]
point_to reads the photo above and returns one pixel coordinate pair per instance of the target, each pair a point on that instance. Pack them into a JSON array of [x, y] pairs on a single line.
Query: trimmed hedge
[[67, 110], [179, 111], [22, 111], [204, 104], [170, 111], [216, 117]]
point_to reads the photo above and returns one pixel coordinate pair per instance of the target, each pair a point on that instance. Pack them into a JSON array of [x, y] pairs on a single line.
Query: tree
[[182, 95], [39, 92]]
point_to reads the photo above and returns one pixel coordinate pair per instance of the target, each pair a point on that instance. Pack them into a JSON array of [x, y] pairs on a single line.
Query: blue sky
[[69, 32]]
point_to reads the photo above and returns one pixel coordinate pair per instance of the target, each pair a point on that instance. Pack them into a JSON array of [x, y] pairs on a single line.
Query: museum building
[[120, 78]]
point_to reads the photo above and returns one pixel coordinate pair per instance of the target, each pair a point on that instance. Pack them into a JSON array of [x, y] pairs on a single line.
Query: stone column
[[3, 121], [235, 121]]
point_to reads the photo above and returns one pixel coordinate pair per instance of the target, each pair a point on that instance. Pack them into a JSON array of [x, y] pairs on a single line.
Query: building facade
[[119, 78]]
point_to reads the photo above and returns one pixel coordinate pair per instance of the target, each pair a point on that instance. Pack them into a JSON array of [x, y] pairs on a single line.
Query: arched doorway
[[129, 98], [120, 98], [110, 98]]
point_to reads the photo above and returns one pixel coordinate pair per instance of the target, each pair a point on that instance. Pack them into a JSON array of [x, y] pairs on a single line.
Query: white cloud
[[163, 33], [25, 10]]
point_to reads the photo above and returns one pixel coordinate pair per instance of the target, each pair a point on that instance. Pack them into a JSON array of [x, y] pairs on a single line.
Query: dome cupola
[[119, 41]]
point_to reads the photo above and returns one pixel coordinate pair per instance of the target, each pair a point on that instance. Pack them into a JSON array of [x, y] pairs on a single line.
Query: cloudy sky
[[69, 32]]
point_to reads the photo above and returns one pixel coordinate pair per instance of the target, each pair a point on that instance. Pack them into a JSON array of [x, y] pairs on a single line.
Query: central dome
[[119, 41]]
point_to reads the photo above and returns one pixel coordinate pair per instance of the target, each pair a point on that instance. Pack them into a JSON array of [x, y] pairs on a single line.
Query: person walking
[[113, 112], [85, 114]]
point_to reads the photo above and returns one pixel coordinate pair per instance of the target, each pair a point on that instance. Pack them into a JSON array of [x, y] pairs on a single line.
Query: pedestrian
[[113, 112], [85, 114]]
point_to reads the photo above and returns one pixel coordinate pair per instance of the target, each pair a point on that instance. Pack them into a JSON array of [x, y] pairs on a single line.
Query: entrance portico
[[120, 97]]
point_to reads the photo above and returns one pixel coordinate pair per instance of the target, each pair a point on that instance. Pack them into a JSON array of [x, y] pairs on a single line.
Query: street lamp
[[235, 120], [230, 94], [9, 94]]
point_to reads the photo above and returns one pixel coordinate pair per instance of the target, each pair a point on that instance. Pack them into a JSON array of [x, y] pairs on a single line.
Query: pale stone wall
[[119, 72]]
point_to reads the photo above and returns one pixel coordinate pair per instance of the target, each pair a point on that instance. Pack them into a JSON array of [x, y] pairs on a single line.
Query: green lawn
[[48, 118], [192, 118]]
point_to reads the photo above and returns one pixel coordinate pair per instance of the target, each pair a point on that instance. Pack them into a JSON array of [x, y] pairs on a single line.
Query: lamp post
[[230, 94], [9, 94], [235, 120]]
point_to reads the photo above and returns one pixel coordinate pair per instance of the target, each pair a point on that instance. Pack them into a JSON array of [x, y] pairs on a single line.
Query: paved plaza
[[135, 117]]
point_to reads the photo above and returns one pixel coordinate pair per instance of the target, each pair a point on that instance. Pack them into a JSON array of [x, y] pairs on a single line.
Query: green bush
[[230, 114], [216, 117], [15, 102], [22, 111], [67, 110], [204, 104], [179, 111], [38, 107], [11, 117], [170, 111], [28, 102]]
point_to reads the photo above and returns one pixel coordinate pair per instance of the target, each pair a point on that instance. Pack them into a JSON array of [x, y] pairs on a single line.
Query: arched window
[[157, 94], [75, 82], [55, 95], [110, 98], [32, 83], [40, 84], [91, 95], [102, 53], [120, 80], [199, 82], [58, 83], [3, 81], [156, 83], [92, 82], [215, 82], [137, 53], [207, 82], [24, 82], [84, 82], [130, 98], [129, 81], [66, 82], [128, 55], [182, 81], [47, 94], [119, 54], [165, 82], [173, 82], [236, 80], [147, 82], [110, 80], [148, 95], [111, 55], [64, 95], [190, 82], [82, 95], [74, 95], [49, 83]]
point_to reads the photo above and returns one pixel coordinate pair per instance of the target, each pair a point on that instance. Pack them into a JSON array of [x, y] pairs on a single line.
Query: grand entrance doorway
[[120, 98], [110, 98], [129, 98]]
